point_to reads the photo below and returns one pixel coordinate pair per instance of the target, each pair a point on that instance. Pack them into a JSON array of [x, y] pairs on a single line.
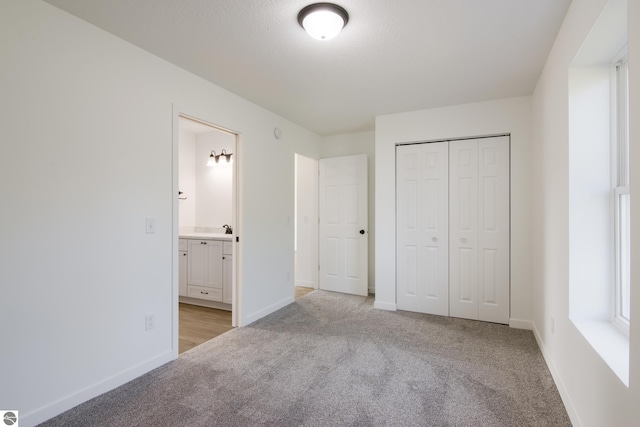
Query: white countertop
[[206, 236]]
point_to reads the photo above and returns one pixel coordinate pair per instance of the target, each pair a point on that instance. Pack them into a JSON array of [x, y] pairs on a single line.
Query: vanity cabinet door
[[205, 263]]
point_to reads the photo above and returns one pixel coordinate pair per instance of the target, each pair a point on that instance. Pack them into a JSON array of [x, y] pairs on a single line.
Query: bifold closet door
[[422, 215], [452, 228], [479, 229]]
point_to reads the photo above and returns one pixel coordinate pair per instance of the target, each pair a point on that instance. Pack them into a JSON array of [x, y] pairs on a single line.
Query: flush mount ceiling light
[[323, 21]]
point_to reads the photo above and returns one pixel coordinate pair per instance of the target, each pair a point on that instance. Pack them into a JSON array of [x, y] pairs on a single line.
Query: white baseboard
[[566, 399], [389, 306], [521, 324], [266, 311], [304, 284], [205, 303], [67, 402]]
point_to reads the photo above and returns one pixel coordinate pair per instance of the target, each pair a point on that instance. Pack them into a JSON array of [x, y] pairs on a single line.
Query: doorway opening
[[205, 231], [306, 225]]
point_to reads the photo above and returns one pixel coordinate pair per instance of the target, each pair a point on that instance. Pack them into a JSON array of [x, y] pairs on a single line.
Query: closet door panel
[[493, 233], [422, 228], [408, 175], [463, 228]]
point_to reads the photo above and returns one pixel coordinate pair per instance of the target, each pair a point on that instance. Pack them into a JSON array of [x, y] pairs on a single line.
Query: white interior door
[[463, 233], [422, 256], [343, 225], [479, 229], [493, 230]]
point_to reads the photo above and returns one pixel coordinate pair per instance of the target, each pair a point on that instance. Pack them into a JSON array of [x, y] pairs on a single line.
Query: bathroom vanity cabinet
[[205, 274]]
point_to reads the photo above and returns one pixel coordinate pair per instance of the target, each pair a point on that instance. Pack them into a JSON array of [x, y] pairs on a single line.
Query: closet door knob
[[463, 240], [361, 231], [434, 239]]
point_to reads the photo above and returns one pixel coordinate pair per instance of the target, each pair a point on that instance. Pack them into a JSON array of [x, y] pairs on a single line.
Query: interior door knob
[[361, 231]]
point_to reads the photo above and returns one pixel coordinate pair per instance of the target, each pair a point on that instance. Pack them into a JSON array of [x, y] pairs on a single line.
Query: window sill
[[610, 343]]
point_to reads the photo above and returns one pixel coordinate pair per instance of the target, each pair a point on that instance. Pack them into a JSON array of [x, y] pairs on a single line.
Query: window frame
[[620, 191]]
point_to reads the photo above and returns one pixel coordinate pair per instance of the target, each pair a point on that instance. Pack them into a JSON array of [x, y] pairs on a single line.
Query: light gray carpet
[[332, 360]]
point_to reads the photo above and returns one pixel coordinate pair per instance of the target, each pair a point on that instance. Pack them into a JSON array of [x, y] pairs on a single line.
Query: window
[[599, 206], [621, 205]]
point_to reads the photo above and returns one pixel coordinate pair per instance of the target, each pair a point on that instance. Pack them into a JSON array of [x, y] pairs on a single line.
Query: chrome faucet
[[228, 229]]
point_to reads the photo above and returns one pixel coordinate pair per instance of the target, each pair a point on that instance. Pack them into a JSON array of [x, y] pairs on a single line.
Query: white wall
[[213, 183], [208, 189], [89, 118], [593, 394], [484, 118], [632, 397], [187, 179], [351, 144]]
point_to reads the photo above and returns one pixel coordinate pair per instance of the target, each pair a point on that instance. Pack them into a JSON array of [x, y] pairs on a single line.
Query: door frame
[[236, 215]]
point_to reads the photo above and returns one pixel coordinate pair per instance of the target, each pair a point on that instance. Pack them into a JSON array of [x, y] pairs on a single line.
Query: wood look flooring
[[300, 291], [200, 324]]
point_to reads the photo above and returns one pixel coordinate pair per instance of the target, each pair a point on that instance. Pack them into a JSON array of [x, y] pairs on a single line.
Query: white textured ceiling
[[393, 56]]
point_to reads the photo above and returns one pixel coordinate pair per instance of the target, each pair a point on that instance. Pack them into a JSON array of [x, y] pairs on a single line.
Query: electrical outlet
[[553, 325], [149, 321]]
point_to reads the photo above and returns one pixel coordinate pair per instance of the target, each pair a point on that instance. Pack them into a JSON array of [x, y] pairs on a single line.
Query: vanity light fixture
[[323, 21], [227, 156], [215, 158]]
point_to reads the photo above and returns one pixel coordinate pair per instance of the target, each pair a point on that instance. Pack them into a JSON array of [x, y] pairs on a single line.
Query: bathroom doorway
[[205, 232]]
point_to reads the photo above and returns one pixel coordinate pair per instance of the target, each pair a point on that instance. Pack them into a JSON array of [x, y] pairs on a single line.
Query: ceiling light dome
[[323, 21]]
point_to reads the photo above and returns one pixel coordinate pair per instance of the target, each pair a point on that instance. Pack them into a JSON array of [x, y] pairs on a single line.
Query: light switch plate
[[150, 225]]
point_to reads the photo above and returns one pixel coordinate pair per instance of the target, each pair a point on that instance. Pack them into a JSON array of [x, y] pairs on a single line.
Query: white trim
[[236, 210], [618, 319], [206, 303], [304, 284], [564, 394], [268, 310], [175, 248], [609, 342], [381, 305], [521, 324], [237, 215], [65, 403], [620, 178]]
